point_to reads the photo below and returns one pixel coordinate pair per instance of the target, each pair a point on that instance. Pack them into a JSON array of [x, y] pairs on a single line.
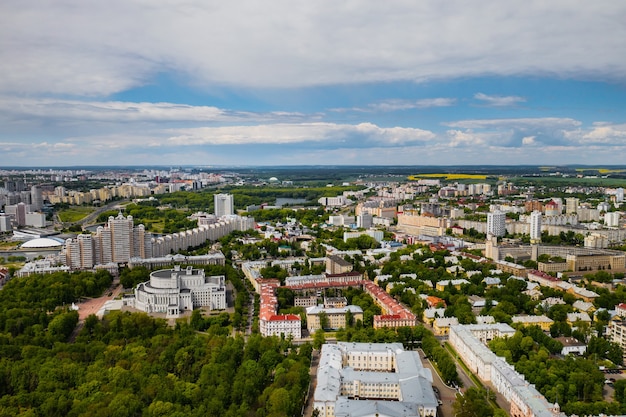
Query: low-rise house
[[456, 283], [571, 346], [586, 306], [543, 322], [441, 326], [574, 317], [430, 314]]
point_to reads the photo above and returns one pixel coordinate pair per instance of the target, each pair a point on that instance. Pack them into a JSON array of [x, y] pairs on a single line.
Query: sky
[[301, 82]]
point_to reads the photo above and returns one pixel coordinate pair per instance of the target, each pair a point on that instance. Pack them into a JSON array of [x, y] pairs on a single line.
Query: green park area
[[74, 213]]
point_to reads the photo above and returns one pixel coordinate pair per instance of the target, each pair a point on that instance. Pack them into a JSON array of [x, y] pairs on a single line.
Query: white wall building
[[524, 398], [223, 205], [496, 223], [173, 291], [535, 225], [364, 378], [611, 219]]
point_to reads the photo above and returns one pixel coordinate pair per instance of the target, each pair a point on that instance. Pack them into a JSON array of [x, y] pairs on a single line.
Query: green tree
[[473, 404]]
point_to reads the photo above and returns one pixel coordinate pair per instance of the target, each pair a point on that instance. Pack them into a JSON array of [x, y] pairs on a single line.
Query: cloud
[[400, 105], [499, 101], [79, 48], [331, 135], [525, 122], [124, 112], [515, 133]]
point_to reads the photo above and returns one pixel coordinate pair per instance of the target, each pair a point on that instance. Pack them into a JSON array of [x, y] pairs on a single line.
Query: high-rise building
[[496, 223], [364, 220], [535, 226], [18, 213], [571, 205], [79, 252], [119, 240], [5, 223], [36, 198], [611, 219], [223, 204]]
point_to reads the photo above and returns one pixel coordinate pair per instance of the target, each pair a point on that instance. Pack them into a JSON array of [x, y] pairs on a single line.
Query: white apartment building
[[496, 223], [616, 332], [525, 400], [611, 219], [535, 226]]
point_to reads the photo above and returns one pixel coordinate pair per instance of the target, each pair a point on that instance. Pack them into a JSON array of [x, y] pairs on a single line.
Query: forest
[[130, 364]]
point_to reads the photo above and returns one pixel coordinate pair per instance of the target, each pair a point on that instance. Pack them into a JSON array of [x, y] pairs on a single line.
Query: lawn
[[74, 214]]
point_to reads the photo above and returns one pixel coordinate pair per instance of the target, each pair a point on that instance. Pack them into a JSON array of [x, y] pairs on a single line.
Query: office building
[[36, 198]]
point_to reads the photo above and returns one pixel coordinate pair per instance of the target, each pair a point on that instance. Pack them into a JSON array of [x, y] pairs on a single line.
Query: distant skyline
[[189, 82]]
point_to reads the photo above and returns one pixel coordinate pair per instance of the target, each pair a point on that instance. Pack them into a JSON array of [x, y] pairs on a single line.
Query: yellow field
[[448, 177], [602, 170]]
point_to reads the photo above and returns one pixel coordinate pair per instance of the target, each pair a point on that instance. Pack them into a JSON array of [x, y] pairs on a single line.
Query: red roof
[[284, 317]]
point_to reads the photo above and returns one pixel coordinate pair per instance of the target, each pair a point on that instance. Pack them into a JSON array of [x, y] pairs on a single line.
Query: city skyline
[[298, 83]]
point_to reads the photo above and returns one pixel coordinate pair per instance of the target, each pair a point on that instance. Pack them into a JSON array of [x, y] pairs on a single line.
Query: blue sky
[[190, 82]]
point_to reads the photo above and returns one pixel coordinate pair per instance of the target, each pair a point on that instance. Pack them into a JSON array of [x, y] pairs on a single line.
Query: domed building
[[42, 243], [174, 291]]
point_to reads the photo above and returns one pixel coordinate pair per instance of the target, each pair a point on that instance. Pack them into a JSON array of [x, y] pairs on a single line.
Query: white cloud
[[398, 105], [553, 122], [605, 133], [330, 134], [499, 101], [99, 48], [122, 112]]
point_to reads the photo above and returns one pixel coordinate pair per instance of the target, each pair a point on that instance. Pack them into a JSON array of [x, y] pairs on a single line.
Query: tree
[[318, 339], [472, 404]]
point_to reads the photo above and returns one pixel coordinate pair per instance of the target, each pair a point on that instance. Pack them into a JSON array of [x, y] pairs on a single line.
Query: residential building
[[335, 316], [337, 265], [535, 226], [525, 400], [441, 325], [542, 321], [573, 318], [571, 205], [616, 332], [496, 223], [270, 322], [571, 346]]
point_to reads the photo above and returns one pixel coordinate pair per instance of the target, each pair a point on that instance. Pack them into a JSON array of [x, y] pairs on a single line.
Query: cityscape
[[397, 291], [316, 209]]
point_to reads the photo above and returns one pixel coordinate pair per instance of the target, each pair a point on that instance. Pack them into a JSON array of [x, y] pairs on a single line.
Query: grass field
[[74, 214], [448, 177]]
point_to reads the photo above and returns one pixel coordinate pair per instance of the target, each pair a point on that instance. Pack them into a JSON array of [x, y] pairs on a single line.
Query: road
[[90, 218], [447, 394]]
